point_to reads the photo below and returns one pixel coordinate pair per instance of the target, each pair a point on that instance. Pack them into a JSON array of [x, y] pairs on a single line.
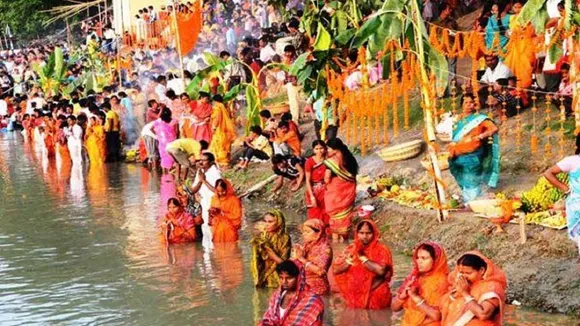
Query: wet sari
[[339, 197], [569, 165], [180, 228], [316, 208], [432, 287], [224, 134], [165, 134], [305, 308], [263, 268], [478, 166], [318, 253], [227, 222], [493, 285], [356, 283]]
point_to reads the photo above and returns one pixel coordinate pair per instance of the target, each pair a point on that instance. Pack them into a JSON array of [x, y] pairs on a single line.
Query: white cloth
[[266, 53], [176, 84], [146, 131], [569, 164], [501, 71], [212, 175], [3, 108], [75, 143]]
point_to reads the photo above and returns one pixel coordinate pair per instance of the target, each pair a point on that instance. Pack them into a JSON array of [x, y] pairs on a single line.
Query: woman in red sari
[[364, 269], [423, 289], [315, 190], [201, 110], [340, 180], [293, 303], [477, 295], [177, 225], [225, 213], [315, 255]]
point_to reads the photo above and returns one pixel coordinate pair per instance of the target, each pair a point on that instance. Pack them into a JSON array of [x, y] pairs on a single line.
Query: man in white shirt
[[207, 175], [3, 106], [495, 70], [266, 50], [40, 102], [161, 89], [74, 135]]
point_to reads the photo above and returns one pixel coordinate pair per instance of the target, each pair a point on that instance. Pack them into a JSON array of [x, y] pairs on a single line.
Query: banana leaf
[[253, 108], [367, 30], [232, 93], [298, 64], [345, 37], [529, 10], [323, 40], [59, 64]]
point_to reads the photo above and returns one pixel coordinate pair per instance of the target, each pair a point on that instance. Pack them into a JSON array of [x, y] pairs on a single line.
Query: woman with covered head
[[293, 303], [315, 255], [178, 226], [364, 270], [477, 295], [269, 248], [225, 213], [422, 290], [340, 181], [224, 132]]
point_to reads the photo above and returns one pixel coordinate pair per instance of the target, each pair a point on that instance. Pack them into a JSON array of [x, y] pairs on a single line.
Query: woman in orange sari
[[340, 180], [423, 289], [224, 132], [364, 269], [177, 225], [225, 213], [477, 295], [315, 255], [50, 131]]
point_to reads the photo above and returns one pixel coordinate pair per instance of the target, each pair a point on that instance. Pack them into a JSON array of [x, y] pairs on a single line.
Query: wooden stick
[[523, 237], [259, 186]]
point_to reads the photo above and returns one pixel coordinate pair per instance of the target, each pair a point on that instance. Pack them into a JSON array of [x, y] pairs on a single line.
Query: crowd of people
[[192, 139]]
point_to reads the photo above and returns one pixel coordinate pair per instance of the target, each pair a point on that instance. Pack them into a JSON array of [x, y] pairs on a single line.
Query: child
[[256, 145]]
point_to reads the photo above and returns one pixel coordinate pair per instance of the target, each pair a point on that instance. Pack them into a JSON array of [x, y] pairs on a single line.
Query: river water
[[80, 246]]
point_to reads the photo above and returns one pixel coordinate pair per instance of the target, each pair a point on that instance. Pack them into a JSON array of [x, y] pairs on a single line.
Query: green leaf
[[345, 37], [539, 20], [304, 74], [298, 64], [555, 52], [529, 10], [232, 93], [437, 65], [323, 39], [341, 21], [365, 32], [210, 58], [391, 29], [254, 107], [59, 64], [568, 12]]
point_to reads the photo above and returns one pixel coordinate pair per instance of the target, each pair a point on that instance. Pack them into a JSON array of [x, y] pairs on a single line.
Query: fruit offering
[[543, 195], [553, 219]]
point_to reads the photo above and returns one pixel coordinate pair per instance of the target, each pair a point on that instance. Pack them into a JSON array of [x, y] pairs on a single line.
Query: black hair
[[286, 116], [349, 159], [363, 223], [294, 23], [565, 66], [428, 248], [161, 78], [578, 144], [277, 159], [289, 48], [165, 115], [283, 124], [151, 102], [221, 183], [218, 98], [256, 129], [473, 261], [170, 94], [224, 54], [502, 81], [72, 117], [210, 157], [265, 114], [174, 201], [318, 142], [204, 145], [467, 95], [289, 267]]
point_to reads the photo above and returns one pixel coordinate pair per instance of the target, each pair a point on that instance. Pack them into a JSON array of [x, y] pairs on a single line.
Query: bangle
[[420, 302], [363, 259], [468, 299], [306, 265]]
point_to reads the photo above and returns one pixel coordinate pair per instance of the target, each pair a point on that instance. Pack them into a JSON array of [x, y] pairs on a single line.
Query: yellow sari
[[224, 134], [96, 144]]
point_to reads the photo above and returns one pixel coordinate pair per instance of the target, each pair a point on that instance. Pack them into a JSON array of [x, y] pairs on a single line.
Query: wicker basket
[[487, 207], [278, 108], [442, 158], [401, 152]]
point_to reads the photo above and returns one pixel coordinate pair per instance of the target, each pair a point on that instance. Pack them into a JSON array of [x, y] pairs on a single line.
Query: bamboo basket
[[442, 158], [277, 109], [402, 151], [487, 207]]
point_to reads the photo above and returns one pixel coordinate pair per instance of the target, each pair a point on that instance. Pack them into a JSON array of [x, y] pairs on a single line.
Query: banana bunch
[[386, 181], [132, 155], [546, 218], [543, 195]]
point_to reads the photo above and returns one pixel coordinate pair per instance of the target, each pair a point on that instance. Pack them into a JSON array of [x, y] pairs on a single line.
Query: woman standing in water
[[340, 180], [422, 290], [165, 129], [225, 213], [95, 141], [477, 295], [315, 171], [178, 226], [315, 255], [269, 248]]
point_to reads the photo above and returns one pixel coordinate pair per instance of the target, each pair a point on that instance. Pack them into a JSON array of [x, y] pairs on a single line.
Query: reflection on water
[[80, 245]]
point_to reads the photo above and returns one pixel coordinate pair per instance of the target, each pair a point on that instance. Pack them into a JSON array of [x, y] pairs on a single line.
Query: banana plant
[[51, 75]]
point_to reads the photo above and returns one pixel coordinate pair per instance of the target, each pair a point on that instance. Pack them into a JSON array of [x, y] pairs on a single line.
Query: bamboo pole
[[178, 45], [442, 212]]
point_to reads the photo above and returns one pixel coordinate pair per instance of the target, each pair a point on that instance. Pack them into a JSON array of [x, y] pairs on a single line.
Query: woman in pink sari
[[166, 130], [340, 180], [201, 116], [316, 255], [315, 190]]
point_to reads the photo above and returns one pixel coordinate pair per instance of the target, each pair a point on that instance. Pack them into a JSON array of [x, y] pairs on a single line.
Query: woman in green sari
[[269, 248], [473, 160]]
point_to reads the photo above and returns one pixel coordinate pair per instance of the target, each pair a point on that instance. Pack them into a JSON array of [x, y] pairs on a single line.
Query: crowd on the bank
[[152, 111]]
